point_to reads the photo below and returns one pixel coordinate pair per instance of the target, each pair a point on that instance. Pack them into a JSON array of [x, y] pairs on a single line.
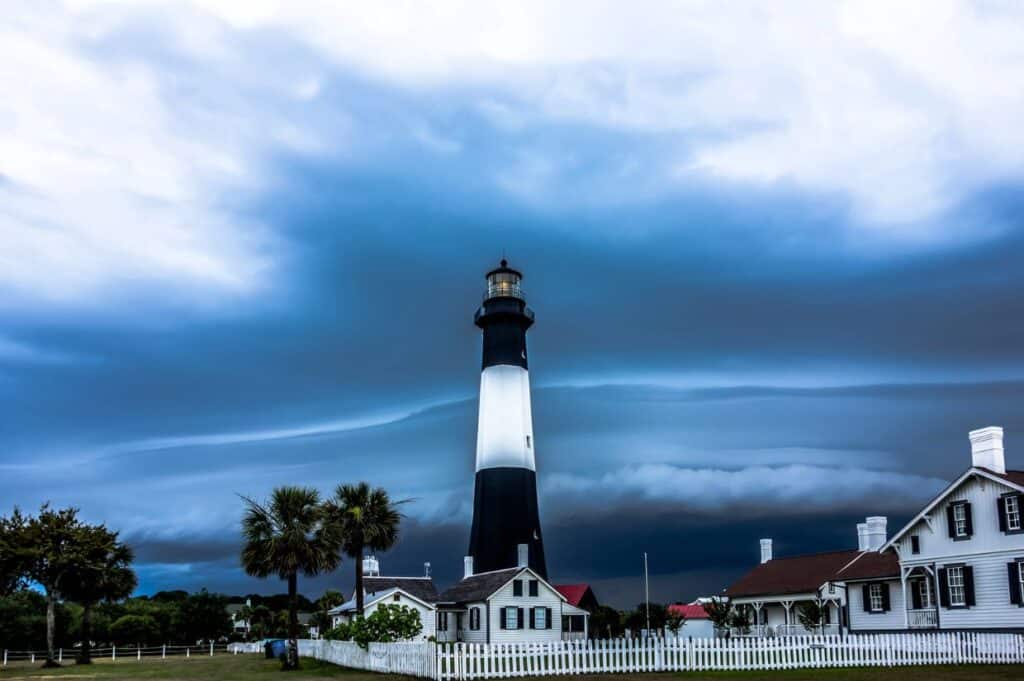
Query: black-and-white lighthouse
[[505, 516]]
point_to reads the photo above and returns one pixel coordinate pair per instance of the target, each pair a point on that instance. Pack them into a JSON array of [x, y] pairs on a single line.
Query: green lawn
[[244, 667]]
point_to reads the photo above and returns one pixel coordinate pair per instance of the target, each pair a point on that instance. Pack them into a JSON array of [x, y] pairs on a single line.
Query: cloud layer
[[774, 254]]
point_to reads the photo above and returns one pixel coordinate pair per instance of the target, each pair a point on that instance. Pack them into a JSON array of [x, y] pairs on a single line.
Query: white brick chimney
[[987, 449], [371, 566], [766, 550], [877, 533], [862, 536], [426, 569], [523, 551], [467, 567]]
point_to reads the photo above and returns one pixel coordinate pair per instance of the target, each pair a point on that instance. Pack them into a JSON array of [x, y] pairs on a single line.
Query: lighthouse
[[506, 523]]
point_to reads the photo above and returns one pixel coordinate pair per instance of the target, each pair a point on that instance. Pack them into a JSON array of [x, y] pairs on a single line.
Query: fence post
[[163, 652], [5, 657], [138, 652], [60, 655], [113, 652], [188, 652], [211, 648]]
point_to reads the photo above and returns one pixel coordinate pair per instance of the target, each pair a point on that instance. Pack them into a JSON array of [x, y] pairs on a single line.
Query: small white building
[[697, 623], [418, 593]]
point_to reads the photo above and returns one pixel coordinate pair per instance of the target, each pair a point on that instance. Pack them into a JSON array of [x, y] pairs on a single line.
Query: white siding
[[546, 598], [479, 636], [992, 607], [427, 618], [936, 544], [695, 629], [987, 550], [876, 621]]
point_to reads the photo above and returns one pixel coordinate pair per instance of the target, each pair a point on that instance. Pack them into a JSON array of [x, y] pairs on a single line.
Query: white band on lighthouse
[[505, 428]]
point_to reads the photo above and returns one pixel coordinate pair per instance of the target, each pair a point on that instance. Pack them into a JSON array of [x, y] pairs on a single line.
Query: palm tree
[[103, 574], [286, 537], [363, 518]]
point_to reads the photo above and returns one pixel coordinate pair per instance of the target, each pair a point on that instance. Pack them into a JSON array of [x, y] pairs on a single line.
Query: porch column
[[787, 605], [757, 616], [906, 603]]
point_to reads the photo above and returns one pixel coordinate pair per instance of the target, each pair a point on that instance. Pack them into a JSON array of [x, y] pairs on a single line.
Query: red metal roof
[[693, 611], [572, 592]]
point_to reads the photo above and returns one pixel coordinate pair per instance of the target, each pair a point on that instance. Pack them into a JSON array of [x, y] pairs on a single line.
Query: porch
[[772, 617], [920, 589]]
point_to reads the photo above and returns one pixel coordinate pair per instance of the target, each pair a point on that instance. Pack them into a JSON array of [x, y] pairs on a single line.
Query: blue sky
[[774, 253]]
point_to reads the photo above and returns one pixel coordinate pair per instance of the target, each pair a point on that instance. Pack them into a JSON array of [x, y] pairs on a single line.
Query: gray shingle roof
[[478, 587], [420, 587]]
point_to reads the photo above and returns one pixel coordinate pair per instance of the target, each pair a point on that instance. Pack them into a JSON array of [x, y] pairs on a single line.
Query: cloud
[[753, 490], [851, 98]]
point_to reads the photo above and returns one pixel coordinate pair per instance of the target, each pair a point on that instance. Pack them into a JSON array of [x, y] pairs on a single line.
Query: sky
[[774, 251]]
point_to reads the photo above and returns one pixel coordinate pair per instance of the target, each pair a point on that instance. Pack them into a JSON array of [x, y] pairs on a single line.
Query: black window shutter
[[547, 618], [969, 584], [885, 597], [504, 618], [532, 618], [519, 617], [1001, 510], [950, 523], [866, 589], [943, 588], [1014, 574], [915, 595], [969, 519]]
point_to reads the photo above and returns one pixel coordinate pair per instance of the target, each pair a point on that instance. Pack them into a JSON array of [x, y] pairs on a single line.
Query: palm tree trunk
[[85, 654], [293, 623], [51, 625], [359, 580]]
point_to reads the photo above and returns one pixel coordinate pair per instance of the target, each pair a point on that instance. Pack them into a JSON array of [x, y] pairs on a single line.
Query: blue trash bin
[[279, 647]]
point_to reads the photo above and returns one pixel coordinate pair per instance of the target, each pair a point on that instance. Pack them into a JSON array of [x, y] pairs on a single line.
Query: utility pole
[[647, 595]]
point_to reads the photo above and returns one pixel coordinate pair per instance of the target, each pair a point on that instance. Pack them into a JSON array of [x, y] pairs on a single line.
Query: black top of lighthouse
[[504, 317]]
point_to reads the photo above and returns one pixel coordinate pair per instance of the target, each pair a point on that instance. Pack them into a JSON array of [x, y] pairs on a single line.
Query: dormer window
[[915, 544]]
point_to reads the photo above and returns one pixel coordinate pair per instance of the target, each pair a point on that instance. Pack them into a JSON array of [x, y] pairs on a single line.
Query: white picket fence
[[467, 661], [410, 659], [117, 653]]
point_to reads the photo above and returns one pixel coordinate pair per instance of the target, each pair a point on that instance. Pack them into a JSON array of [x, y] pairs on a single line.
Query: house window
[[396, 598], [534, 587], [875, 593], [915, 544], [517, 587], [527, 441], [957, 594], [1012, 505], [511, 618], [474, 619], [831, 587], [1020, 579], [924, 592], [442, 621], [540, 619], [960, 520]]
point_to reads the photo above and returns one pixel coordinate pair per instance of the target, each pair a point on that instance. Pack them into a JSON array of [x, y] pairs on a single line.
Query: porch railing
[[923, 619], [801, 630]]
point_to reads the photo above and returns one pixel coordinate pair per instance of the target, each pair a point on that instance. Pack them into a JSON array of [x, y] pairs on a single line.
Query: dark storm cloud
[[690, 341]]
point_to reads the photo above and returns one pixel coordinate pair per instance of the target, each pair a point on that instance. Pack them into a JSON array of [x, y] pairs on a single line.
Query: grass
[[245, 667]]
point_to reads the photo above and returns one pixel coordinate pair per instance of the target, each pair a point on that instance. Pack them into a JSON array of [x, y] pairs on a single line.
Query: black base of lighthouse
[[504, 516]]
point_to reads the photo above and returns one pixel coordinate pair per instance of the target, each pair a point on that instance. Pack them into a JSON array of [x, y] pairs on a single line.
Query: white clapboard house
[[957, 565], [501, 606], [506, 606], [418, 593]]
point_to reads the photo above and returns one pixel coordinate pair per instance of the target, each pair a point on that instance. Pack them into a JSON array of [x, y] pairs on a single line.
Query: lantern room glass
[[504, 284]]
